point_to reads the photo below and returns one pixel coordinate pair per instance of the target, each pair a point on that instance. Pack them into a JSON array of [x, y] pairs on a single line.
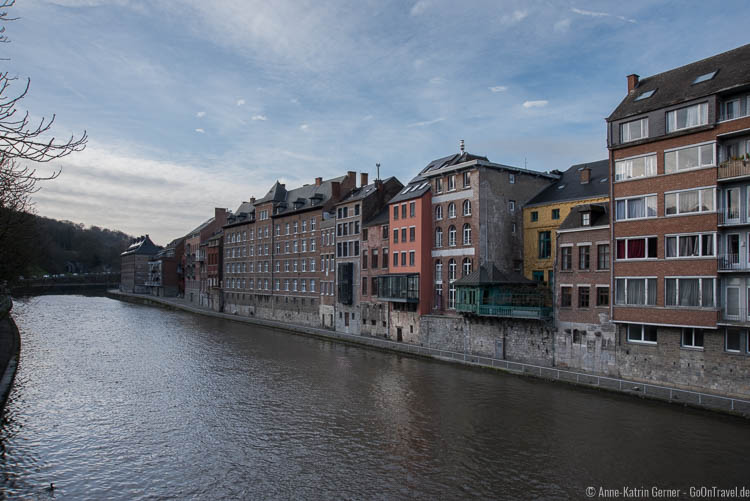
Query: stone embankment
[[10, 348], [634, 388]]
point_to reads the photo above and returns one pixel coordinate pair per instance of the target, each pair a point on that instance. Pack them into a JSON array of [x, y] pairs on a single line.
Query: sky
[[193, 105]]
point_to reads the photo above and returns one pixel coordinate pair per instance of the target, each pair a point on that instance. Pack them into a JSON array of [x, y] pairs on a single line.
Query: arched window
[[467, 207], [451, 210], [438, 213], [438, 271], [452, 236], [467, 266], [467, 234], [438, 237], [452, 270]]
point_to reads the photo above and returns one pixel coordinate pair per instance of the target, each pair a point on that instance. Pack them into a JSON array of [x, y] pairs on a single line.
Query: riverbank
[[10, 348], [712, 402]]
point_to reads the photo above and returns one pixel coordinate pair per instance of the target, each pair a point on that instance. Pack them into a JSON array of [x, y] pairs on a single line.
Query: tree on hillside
[[21, 142]]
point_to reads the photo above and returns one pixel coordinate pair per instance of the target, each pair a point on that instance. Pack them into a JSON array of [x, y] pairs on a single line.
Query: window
[[385, 257], [642, 333], [635, 167], [385, 232], [312, 228], [635, 291], [467, 208], [566, 258], [512, 206], [537, 276], [438, 272], [730, 109], [451, 210], [566, 297], [364, 286], [312, 282], [356, 209], [395, 212], [584, 257], [555, 214], [438, 213], [602, 296], [452, 236], [585, 219], [635, 208], [689, 245], [364, 259], [395, 236], [689, 158], [732, 340], [438, 185], [374, 287], [689, 201], [412, 258], [692, 338], [403, 258], [636, 248], [631, 131], [602, 257], [690, 116], [403, 211], [451, 183], [374, 258], [583, 297], [689, 292], [512, 178], [412, 209], [467, 179], [467, 234], [534, 216], [403, 235], [545, 244], [438, 237], [467, 266], [452, 270], [412, 233]]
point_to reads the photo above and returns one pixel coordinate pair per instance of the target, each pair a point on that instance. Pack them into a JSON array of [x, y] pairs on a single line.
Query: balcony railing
[[731, 216], [734, 315], [734, 168], [492, 310], [733, 262]]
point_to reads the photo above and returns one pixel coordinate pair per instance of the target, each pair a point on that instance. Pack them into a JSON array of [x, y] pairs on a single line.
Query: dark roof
[[381, 217], [364, 191], [676, 86], [457, 158], [201, 226], [490, 275], [413, 189], [142, 245], [298, 199], [569, 186], [599, 216]]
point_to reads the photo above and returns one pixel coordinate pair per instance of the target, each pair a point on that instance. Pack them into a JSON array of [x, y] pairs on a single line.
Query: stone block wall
[[587, 347]]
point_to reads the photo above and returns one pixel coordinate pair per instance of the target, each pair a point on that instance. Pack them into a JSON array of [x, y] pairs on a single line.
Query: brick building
[[193, 257], [582, 294], [237, 279], [165, 269], [676, 207], [327, 309], [375, 261], [211, 271], [355, 209], [134, 268], [543, 214]]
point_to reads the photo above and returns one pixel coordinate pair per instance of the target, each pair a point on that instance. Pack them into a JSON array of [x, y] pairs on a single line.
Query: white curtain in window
[[671, 246], [636, 291], [671, 292], [689, 292], [707, 292], [688, 201], [651, 291], [692, 116], [636, 208], [733, 301]]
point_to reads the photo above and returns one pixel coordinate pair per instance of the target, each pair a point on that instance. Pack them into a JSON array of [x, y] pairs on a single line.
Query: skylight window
[[405, 190], [561, 187], [646, 95], [705, 78]]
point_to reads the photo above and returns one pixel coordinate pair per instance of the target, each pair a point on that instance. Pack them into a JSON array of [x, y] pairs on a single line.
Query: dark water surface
[[118, 401]]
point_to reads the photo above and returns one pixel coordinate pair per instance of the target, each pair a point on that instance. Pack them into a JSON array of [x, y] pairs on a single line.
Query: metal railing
[[505, 311], [729, 217], [734, 168], [737, 315], [731, 262]]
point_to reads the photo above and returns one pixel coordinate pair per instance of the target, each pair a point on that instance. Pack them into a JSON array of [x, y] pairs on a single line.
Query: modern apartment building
[[679, 222], [542, 215], [352, 212]]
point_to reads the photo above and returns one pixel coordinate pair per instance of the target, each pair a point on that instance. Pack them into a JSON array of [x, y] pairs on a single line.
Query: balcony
[[733, 262], [732, 169], [731, 217], [506, 311], [734, 315], [399, 288]]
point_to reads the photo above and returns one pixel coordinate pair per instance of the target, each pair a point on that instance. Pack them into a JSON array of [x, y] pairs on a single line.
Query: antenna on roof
[[461, 145], [524, 162], [377, 166]]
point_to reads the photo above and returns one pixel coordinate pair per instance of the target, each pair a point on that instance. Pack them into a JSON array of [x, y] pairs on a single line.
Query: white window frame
[[671, 117], [626, 135], [700, 291], [642, 340], [692, 345], [738, 114], [647, 303], [639, 237], [624, 167], [700, 191], [645, 198], [700, 165], [700, 236]]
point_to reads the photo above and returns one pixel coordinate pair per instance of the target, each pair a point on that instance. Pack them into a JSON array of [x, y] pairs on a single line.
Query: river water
[[119, 401]]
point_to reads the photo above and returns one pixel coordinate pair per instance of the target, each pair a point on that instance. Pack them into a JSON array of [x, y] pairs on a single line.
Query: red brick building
[[193, 256], [134, 268], [375, 262]]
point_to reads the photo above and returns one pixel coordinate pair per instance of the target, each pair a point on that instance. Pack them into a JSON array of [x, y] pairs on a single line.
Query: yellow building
[[543, 214]]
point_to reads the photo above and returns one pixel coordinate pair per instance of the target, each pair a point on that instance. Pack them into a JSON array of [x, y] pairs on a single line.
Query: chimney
[[585, 175], [461, 145], [379, 185], [252, 200], [353, 176], [318, 181], [363, 179], [335, 190], [632, 82]]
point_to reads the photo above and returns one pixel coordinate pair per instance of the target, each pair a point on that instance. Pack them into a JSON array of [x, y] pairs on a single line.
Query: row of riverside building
[[636, 266]]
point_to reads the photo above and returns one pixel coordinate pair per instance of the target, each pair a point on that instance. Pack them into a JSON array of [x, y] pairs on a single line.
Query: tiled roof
[[457, 158], [287, 202], [599, 216], [142, 245], [569, 186], [675, 86], [381, 217], [364, 191]]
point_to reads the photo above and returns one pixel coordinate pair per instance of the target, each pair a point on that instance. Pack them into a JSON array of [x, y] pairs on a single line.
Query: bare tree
[[22, 141]]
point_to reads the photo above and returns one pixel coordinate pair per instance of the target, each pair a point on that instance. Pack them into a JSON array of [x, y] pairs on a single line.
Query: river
[[120, 401]]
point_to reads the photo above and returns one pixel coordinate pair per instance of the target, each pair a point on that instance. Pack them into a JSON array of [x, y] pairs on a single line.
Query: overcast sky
[[198, 104]]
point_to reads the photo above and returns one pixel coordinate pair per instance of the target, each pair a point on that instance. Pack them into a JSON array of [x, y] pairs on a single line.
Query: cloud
[[498, 88], [200, 131], [428, 122], [437, 80], [419, 7], [240, 102], [562, 26], [591, 13], [200, 114], [304, 127], [515, 17], [535, 104], [259, 117]]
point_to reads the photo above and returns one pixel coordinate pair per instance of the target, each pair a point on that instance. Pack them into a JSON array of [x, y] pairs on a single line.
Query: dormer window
[[632, 131], [690, 116], [586, 219]]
